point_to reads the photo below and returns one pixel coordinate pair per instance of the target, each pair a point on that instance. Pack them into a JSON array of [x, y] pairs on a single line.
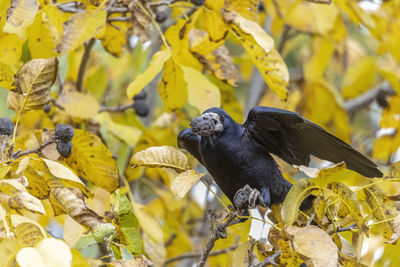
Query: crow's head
[[210, 122]]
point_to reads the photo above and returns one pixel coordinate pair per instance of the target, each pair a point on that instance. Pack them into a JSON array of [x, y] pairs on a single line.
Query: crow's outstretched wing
[[293, 138]]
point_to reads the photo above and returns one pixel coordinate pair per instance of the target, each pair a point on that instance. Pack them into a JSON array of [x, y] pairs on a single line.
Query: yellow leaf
[[260, 47], [91, 159], [27, 231], [54, 252], [34, 80], [294, 198], [20, 15], [42, 37], [202, 93], [66, 175], [115, 37], [148, 223], [172, 87], [78, 105], [184, 182], [81, 27], [21, 11], [130, 135], [6, 76], [348, 198], [161, 157], [4, 5], [317, 19], [308, 238], [214, 24], [241, 254], [8, 250], [178, 37], [148, 75], [322, 48], [16, 220], [246, 8], [382, 211], [359, 78], [11, 49], [29, 257], [20, 198], [214, 56]]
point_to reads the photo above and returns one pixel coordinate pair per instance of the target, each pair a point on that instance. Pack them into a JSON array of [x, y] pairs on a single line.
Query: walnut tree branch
[[215, 233], [363, 100], [116, 109], [21, 153], [269, 260], [84, 61], [198, 255]]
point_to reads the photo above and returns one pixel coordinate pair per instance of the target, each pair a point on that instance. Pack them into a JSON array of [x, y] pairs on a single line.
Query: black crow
[[237, 155]]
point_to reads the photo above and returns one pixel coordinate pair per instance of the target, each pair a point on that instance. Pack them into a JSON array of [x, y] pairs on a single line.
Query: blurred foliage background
[[336, 63]]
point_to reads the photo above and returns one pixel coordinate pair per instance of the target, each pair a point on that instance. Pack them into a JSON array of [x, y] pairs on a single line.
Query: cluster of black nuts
[[140, 106], [63, 134], [6, 126]]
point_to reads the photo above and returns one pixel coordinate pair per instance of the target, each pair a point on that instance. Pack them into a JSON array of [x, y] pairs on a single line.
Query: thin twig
[[3, 140], [73, 9], [198, 255], [116, 109], [84, 61], [343, 229], [20, 153], [363, 100], [269, 260], [119, 19], [284, 38], [60, 81], [311, 219]]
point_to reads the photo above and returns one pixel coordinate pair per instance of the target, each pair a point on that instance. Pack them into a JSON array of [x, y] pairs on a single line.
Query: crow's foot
[[248, 197]]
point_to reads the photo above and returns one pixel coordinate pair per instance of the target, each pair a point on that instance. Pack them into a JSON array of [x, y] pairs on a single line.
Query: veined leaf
[[27, 230], [91, 159], [307, 239], [33, 80], [184, 182], [246, 8], [260, 47], [161, 157], [148, 75], [294, 198], [348, 198], [202, 93], [381, 210], [81, 27]]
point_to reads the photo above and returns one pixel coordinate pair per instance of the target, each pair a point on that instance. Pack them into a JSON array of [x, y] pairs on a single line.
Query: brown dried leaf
[[140, 23], [33, 80], [74, 205]]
